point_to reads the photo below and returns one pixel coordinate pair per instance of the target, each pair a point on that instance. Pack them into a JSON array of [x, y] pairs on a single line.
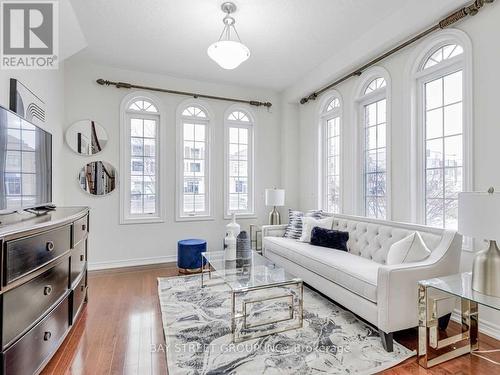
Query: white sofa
[[385, 296]]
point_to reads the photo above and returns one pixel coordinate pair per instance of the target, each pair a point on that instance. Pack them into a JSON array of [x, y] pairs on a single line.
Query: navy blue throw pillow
[[331, 238]]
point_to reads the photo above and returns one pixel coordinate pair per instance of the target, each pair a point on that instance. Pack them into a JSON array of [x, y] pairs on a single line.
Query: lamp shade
[[479, 215], [275, 197], [228, 53]]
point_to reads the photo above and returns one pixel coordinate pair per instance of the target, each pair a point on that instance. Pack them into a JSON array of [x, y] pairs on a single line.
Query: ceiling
[[287, 38]]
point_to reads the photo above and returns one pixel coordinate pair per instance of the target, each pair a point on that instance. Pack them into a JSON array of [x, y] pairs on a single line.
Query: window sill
[[141, 220], [194, 218], [241, 216]]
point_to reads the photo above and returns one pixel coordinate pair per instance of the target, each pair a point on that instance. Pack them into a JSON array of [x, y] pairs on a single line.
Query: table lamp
[[275, 197], [479, 217]]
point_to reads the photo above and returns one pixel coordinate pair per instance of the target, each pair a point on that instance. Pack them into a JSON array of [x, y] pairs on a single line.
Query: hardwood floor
[[120, 332]]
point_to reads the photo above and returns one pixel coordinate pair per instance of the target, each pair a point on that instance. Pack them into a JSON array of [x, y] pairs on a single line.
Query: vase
[[230, 246], [243, 247], [233, 227]]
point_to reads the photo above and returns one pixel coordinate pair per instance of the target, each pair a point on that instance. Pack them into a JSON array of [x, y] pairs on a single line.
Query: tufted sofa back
[[372, 239]]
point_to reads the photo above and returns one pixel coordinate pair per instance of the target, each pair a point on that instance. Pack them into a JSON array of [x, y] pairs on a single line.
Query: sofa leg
[[443, 322], [387, 341]]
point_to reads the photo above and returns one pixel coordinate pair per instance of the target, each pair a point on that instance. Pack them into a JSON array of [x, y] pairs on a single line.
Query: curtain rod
[[127, 85], [469, 10]]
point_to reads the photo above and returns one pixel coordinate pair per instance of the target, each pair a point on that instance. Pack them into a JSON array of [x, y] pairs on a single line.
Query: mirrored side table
[[431, 293]]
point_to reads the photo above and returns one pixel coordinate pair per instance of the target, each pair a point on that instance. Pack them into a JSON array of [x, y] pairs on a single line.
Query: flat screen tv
[[25, 164]]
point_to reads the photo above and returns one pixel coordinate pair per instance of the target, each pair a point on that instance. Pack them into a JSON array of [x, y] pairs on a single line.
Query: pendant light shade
[[228, 52]]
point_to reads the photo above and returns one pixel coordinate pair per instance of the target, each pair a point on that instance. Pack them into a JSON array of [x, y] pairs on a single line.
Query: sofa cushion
[[334, 239], [294, 227], [409, 249], [308, 223], [357, 274]]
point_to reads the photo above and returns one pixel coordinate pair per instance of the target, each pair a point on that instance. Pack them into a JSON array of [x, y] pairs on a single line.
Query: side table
[[431, 350]]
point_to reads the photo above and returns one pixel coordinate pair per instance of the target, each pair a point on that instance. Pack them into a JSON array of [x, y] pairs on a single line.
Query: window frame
[[208, 214], [251, 126], [361, 101], [125, 156], [419, 77], [324, 117]]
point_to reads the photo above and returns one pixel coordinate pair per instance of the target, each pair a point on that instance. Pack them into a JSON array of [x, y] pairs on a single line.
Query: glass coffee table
[[265, 299]]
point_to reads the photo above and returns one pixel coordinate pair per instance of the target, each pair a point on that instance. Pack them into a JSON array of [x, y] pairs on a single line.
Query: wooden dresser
[[43, 285]]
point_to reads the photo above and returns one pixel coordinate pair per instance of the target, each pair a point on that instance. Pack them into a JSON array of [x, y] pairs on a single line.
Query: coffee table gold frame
[[295, 307], [428, 329]]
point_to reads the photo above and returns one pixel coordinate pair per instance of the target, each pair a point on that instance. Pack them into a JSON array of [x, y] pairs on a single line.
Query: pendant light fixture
[[229, 54]]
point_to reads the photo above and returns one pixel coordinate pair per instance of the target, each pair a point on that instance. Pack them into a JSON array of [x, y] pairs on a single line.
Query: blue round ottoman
[[189, 255]]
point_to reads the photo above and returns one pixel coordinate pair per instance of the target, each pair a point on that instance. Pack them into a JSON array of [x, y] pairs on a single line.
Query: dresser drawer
[[33, 349], [25, 255], [80, 229], [78, 295], [24, 305], [78, 260]]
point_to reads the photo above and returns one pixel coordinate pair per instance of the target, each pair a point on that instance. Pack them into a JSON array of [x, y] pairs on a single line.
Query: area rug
[[197, 331]]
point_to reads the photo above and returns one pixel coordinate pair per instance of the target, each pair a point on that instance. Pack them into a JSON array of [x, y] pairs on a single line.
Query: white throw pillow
[[308, 223], [409, 249]]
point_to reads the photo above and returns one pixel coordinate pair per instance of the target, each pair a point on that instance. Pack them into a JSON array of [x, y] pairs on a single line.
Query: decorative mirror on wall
[[97, 178], [86, 137]]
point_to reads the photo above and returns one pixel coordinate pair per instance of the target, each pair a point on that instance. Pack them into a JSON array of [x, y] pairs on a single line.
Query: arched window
[[443, 107], [193, 192], [374, 145], [140, 160], [239, 164], [331, 140]]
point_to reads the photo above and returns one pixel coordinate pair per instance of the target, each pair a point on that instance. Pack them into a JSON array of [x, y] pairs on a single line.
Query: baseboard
[[486, 327], [95, 266]]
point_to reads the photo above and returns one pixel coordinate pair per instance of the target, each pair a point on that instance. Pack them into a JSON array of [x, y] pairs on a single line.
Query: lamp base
[[486, 271], [274, 217]]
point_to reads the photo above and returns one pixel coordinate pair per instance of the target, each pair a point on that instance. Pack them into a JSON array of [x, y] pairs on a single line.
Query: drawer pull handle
[[50, 246], [82, 257], [46, 336], [47, 290], [82, 288], [84, 227]]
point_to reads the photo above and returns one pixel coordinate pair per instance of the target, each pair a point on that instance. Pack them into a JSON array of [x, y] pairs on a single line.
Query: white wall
[[483, 31], [112, 244], [48, 85]]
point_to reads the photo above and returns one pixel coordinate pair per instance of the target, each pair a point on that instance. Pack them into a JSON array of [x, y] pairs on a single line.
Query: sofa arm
[[397, 285], [273, 230]]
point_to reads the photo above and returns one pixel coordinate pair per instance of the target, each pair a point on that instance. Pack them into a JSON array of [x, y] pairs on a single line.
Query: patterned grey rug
[[197, 331]]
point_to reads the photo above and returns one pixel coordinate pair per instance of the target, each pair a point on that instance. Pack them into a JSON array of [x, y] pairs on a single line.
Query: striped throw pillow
[[294, 228]]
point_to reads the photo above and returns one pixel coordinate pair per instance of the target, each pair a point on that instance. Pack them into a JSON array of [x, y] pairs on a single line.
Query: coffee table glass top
[[460, 286], [253, 271]]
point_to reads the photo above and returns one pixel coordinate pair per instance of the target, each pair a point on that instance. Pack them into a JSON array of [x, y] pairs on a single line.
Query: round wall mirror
[[97, 178], [86, 137]]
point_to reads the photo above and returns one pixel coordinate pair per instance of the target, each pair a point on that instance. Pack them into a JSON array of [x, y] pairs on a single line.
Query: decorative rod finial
[[313, 96], [491, 190], [103, 82]]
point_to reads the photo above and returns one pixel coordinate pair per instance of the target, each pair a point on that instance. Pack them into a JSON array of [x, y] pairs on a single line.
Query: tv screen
[[25, 164]]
